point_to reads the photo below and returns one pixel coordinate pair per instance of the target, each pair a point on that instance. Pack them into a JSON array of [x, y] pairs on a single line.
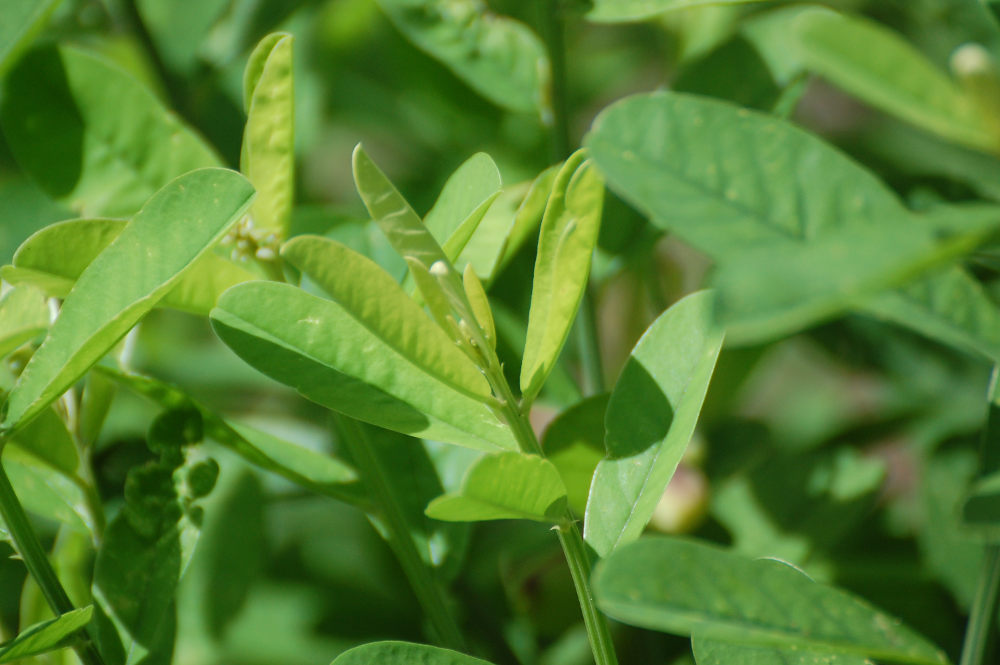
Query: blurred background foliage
[[843, 450]]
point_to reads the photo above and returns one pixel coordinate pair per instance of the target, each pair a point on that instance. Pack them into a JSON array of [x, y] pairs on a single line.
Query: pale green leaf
[[876, 64], [320, 349], [473, 184], [403, 653], [433, 295], [45, 491], [92, 136], [681, 586], [651, 415], [376, 302], [268, 156], [47, 438], [709, 651], [53, 258], [480, 304], [619, 11], [22, 21], [46, 636], [498, 57], [24, 315], [172, 231], [505, 486], [565, 248]]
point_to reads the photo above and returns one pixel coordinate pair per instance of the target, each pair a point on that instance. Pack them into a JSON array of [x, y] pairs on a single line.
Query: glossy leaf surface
[[403, 653], [172, 231], [268, 155], [47, 636], [617, 11], [505, 486], [498, 57], [565, 248], [684, 587], [320, 349], [24, 315], [651, 415], [91, 135]]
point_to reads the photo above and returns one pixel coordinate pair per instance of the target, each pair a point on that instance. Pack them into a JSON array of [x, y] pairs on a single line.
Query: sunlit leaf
[[93, 136], [403, 653], [268, 156], [505, 486], [323, 351], [651, 415], [475, 183], [47, 636], [498, 57], [480, 304], [565, 247], [24, 315], [171, 232], [684, 587], [618, 11]]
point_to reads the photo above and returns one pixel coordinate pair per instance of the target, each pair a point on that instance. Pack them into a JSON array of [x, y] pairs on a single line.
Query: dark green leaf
[[618, 11], [403, 653], [708, 651]]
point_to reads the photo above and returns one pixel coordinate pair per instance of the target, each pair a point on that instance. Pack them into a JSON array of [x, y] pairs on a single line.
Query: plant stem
[[588, 346], [422, 578], [552, 31], [579, 568], [984, 606], [37, 562]]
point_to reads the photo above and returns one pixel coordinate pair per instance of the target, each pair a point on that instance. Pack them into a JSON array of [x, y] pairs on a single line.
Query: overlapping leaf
[[651, 415], [617, 11], [22, 20], [93, 136], [46, 636], [498, 57], [708, 651], [172, 231], [562, 267], [403, 653], [24, 315], [684, 587], [505, 486]]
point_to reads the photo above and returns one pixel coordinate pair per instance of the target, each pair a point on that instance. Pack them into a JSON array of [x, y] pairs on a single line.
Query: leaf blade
[[46, 636]]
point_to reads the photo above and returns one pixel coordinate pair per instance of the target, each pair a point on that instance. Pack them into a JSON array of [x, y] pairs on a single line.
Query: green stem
[[578, 559], [589, 348], [984, 607], [35, 559], [552, 31], [422, 578]]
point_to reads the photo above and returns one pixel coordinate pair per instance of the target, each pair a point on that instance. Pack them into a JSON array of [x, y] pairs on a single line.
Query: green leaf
[[180, 32], [171, 232], [574, 443], [708, 651], [46, 491], [473, 184], [319, 348], [302, 466], [46, 636], [981, 508], [268, 156], [877, 65], [623, 11], [23, 19], [651, 415], [47, 438], [480, 304], [505, 486], [24, 315], [91, 135], [684, 587], [403, 653], [498, 57], [565, 248], [54, 258]]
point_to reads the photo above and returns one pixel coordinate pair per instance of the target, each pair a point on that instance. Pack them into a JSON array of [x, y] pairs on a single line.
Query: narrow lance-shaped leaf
[[709, 651], [328, 355], [651, 415], [685, 587], [24, 315], [505, 486], [565, 248], [622, 11], [474, 183], [54, 258], [403, 653], [480, 304], [46, 636], [65, 111], [171, 232], [498, 57], [268, 155], [879, 66]]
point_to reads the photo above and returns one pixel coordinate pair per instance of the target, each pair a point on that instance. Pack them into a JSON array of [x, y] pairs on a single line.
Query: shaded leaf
[[574, 443], [172, 231], [65, 113], [498, 57], [684, 587], [651, 415], [268, 155], [565, 248], [22, 21], [47, 438], [317, 347], [708, 651], [505, 486], [620, 11], [24, 315], [45, 491], [46, 636], [403, 653]]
